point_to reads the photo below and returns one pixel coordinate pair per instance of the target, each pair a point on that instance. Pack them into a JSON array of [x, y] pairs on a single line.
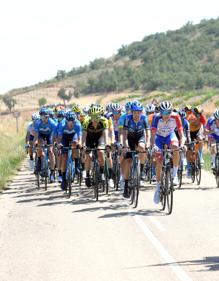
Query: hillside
[[184, 63]]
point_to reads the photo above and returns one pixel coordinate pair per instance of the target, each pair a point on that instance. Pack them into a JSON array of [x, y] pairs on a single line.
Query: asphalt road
[[46, 237]]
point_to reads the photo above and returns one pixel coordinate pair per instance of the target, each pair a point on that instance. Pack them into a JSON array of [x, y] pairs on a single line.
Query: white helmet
[[35, 116], [165, 106], [216, 114], [150, 108], [116, 107]]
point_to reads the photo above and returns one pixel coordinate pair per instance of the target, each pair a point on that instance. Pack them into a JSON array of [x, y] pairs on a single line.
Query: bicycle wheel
[[179, 173], [116, 175], [169, 192], [217, 169], [96, 177], [136, 186], [69, 180], [46, 173], [198, 169], [193, 172], [105, 183]]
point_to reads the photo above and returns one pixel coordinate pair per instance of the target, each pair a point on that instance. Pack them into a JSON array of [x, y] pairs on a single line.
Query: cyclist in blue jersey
[[60, 118], [212, 130], [136, 136], [69, 134], [122, 118], [45, 129]]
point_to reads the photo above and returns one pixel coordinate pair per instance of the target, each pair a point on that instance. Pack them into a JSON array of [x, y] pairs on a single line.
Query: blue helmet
[[61, 113], [182, 114], [136, 106], [128, 105], [70, 116], [44, 111]]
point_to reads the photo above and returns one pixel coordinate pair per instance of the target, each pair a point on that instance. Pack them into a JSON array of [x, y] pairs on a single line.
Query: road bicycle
[[166, 189]]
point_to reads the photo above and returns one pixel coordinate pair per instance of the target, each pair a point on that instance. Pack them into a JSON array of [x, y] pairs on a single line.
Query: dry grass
[[11, 147]]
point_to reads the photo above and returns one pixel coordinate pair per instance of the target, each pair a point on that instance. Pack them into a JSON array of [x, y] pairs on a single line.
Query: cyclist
[[136, 136], [60, 117], [162, 130], [197, 121], [95, 135], [186, 132], [212, 129], [122, 118], [150, 112], [69, 134], [30, 134], [45, 128]]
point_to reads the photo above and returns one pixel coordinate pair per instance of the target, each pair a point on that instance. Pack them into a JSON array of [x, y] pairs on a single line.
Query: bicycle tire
[[198, 169], [217, 169], [136, 187], [69, 181], [46, 174], [193, 172], [179, 174], [169, 192], [96, 182]]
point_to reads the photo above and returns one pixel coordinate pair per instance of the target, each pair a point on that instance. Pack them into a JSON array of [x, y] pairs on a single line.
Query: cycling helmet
[[70, 116], [44, 112], [188, 108], [150, 108], [76, 108], [35, 116], [136, 106], [165, 106], [51, 113], [216, 114], [197, 110], [95, 110], [128, 105], [61, 114], [116, 107], [86, 109], [109, 107], [182, 114]]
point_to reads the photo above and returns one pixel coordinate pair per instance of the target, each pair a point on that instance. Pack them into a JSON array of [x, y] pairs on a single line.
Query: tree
[[9, 102], [60, 74], [42, 101], [62, 95]]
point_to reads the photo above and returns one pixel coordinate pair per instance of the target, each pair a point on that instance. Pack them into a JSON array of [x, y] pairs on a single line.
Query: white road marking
[[180, 273], [157, 224]]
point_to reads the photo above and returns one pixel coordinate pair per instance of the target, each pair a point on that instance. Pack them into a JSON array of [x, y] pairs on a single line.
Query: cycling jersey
[[91, 130], [30, 128], [136, 129], [122, 120], [164, 129], [212, 126], [45, 128], [69, 134], [196, 122]]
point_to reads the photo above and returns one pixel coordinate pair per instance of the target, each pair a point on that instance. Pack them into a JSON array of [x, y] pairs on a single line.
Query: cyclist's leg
[[64, 157], [174, 144], [127, 166], [142, 156], [51, 159], [90, 144], [159, 142], [109, 165], [30, 150], [212, 140], [200, 137], [100, 155]]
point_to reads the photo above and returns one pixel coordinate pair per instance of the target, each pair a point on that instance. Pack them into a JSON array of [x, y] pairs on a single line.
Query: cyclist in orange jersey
[[197, 121]]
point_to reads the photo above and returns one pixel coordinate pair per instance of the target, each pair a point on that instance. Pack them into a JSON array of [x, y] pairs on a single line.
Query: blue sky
[[39, 37]]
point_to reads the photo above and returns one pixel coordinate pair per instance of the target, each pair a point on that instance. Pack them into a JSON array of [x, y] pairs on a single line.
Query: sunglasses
[[167, 112]]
